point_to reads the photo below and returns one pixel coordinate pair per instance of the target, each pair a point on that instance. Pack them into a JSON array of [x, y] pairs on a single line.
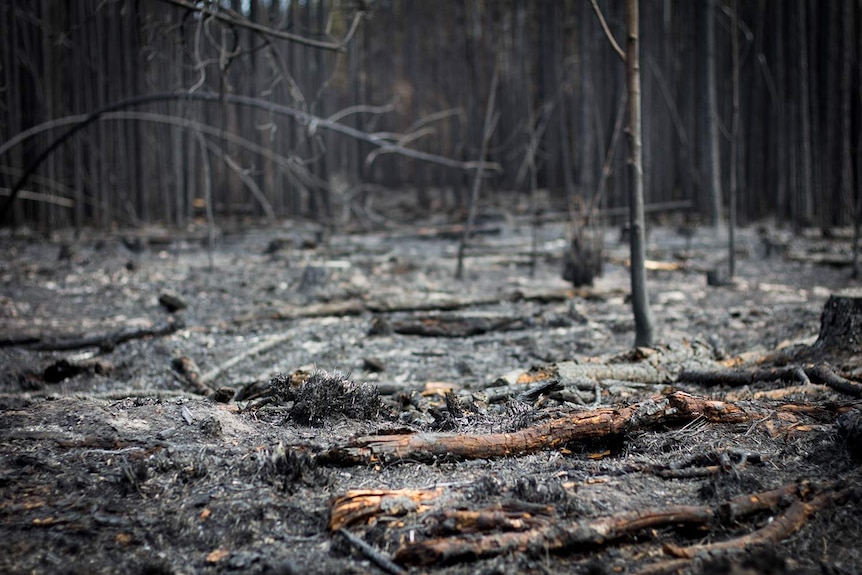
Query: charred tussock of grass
[[325, 395], [287, 469], [451, 417]]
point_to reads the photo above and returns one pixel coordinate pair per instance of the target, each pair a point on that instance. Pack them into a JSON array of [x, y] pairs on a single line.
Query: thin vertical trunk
[[48, 98], [831, 167], [805, 201], [487, 130], [780, 145], [857, 220], [14, 103], [713, 151], [79, 107], [587, 112], [734, 141], [640, 298], [845, 198]]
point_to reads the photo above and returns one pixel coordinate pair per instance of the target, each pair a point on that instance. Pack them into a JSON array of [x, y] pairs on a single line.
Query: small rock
[[277, 245], [373, 364], [224, 395], [172, 302], [379, 326]]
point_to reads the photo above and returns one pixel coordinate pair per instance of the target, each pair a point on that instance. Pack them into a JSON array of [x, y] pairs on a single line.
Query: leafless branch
[[303, 117], [234, 19], [607, 30], [361, 109], [399, 144]]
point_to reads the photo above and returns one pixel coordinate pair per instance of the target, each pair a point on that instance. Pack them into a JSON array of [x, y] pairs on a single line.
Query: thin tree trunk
[[734, 142], [640, 297], [713, 144], [857, 220], [15, 158], [781, 145], [806, 208], [487, 130], [845, 200]]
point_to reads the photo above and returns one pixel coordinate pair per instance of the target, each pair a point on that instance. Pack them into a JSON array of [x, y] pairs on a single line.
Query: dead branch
[[551, 536], [234, 19], [677, 407], [538, 531], [110, 340], [377, 557], [607, 31], [458, 326], [775, 531], [360, 505], [642, 367], [498, 518], [821, 374], [489, 125], [390, 303], [313, 123], [268, 343]]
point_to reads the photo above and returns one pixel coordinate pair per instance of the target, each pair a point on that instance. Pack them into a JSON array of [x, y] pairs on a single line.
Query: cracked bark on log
[[677, 407], [550, 534]]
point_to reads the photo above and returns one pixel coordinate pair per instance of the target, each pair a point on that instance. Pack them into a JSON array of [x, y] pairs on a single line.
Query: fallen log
[[552, 536], [549, 534], [677, 407]]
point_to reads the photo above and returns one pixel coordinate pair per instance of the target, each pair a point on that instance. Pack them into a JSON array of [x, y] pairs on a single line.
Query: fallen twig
[[110, 340], [377, 557]]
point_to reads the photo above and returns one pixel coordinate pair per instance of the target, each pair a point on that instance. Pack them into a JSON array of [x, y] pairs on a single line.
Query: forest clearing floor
[[506, 426]]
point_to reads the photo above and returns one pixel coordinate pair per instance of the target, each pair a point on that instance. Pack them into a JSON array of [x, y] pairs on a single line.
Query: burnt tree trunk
[[841, 321]]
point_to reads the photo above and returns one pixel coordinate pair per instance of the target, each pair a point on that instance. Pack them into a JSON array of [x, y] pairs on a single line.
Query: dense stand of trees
[[421, 71]]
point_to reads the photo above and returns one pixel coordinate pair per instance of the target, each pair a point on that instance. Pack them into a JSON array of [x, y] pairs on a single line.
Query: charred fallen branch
[[458, 326], [378, 558], [110, 340], [675, 408], [363, 504], [548, 534], [776, 530], [821, 374]]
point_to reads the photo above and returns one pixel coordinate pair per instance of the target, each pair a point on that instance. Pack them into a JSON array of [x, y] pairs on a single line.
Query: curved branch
[[607, 30], [234, 20], [302, 117]]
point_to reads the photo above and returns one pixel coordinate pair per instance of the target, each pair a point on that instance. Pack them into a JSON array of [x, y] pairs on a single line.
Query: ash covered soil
[[169, 453]]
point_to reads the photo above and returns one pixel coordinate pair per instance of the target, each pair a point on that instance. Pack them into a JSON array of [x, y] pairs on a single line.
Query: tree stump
[[841, 321], [583, 262]]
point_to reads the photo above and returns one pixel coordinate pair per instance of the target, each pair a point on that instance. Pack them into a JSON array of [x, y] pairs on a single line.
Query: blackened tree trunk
[[640, 298], [805, 214], [712, 149], [734, 143]]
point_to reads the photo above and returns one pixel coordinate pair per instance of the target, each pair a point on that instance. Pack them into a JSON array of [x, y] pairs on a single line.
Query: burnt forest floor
[[158, 446]]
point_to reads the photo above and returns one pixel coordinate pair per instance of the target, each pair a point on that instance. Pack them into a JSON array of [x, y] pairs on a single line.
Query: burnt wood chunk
[[841, 321]]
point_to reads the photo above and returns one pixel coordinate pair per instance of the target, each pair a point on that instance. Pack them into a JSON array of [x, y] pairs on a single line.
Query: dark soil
[[111, 460]]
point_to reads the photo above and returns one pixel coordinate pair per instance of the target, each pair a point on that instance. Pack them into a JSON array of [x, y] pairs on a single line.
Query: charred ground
[[139, 431]]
